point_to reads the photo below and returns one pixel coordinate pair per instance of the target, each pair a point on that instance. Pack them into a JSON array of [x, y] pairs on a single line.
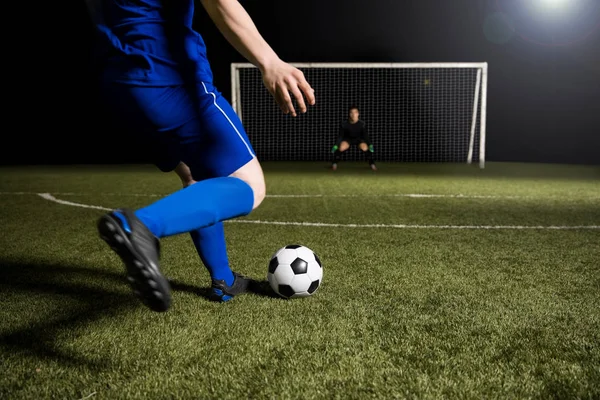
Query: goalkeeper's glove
[[371, 148], [334, 149]]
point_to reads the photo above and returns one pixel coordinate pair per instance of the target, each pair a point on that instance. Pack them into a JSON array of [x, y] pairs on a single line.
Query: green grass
[[419, 312]]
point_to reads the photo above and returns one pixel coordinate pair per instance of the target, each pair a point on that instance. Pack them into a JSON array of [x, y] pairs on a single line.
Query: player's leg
[[229, 153], [221, 151], [211, 245], [133, 235], [212, 248], [337, 155], [368, 150], [227, 149], [148, 113], [232, 193], [219, 154], [210, 241], [184, 173], [344, 145]]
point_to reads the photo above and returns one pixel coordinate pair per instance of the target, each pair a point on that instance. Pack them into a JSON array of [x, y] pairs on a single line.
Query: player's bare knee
[[252, 174], [260, 191]]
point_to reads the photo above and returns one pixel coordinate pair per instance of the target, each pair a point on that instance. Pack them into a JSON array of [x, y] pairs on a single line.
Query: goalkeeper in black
[[353, 132]]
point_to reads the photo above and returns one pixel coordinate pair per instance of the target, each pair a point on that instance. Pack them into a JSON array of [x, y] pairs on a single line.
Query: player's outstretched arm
[[280, 78]]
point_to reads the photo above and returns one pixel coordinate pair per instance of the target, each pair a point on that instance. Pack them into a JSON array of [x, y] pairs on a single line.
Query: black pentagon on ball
[[273, 265], [317, 259], [293, 246], [313, 286], [286, 290], [299, 266]]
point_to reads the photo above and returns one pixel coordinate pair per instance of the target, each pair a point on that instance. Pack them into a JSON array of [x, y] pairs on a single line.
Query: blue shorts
[[193, 124]]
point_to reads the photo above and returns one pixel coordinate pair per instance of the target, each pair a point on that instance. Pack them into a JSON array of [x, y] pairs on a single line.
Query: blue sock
[[200, 205], [211, 246]]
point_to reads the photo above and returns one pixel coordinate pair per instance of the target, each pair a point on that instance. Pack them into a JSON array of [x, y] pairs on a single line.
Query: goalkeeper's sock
[[371, 155], [336, 156]]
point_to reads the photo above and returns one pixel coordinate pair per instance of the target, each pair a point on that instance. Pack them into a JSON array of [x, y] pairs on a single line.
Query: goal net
[[414, 112]]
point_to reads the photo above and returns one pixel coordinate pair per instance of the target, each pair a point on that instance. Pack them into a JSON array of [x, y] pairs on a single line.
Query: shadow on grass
[[40, 337], [178, 286], [260, 288]]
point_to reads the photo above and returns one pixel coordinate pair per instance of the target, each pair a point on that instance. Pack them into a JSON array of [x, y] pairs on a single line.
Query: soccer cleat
[[373, 167], [334, 166], [139, 250], [221, 292]]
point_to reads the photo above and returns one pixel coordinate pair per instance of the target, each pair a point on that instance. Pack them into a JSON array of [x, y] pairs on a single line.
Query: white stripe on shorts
[[228, 119]]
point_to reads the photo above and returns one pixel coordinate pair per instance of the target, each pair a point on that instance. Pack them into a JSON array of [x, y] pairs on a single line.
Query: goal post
[[415, 112]]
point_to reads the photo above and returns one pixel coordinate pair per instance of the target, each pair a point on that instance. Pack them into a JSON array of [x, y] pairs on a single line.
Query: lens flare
[[553, 4]]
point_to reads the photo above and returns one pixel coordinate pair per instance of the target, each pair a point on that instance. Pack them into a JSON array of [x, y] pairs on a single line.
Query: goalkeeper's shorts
[[353, 141]]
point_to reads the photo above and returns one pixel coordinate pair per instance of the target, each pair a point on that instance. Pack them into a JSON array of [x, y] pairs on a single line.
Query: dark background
[[544, 69]]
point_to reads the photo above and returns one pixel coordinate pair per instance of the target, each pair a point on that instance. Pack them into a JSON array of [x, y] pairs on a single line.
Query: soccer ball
[[295, 271]]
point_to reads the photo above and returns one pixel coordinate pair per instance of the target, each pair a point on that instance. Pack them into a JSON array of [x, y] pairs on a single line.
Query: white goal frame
[[479, 104]]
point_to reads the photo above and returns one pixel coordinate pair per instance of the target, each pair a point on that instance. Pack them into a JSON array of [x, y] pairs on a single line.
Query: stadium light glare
[[553, 4]]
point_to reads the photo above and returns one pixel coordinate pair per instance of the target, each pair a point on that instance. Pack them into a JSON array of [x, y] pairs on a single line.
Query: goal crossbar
[[375, 65]]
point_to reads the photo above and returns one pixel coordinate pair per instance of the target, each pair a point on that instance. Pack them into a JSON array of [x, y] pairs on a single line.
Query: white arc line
[[48, 196]]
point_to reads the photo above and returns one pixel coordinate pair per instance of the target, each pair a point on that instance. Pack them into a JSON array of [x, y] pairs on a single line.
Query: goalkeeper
[[353, 132]]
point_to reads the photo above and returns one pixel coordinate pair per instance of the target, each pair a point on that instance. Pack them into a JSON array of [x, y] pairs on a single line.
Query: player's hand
[[283, 80]]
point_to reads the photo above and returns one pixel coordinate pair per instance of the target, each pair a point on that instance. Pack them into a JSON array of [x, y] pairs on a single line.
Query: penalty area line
[[49, 197], [298, 196]]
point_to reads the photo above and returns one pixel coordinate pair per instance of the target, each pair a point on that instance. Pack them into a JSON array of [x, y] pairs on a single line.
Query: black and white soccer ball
[[295, 271]]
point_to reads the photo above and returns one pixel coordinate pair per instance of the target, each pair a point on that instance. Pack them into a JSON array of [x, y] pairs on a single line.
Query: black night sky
[[544, 69]]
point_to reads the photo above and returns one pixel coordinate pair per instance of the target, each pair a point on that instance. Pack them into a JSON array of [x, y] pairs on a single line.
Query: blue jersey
[[152, 43]]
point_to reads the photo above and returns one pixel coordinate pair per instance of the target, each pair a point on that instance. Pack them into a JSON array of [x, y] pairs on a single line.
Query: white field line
[[48, 196], [291, 196]]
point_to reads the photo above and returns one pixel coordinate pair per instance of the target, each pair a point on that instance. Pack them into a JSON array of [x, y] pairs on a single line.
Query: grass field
[[440, 281]]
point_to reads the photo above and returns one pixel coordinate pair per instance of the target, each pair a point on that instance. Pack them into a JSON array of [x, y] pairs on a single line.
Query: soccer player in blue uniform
[[353, 132], [157, 76]]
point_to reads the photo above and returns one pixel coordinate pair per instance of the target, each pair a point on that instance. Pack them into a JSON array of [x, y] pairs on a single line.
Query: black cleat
[[140, 251], [219, 290]]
